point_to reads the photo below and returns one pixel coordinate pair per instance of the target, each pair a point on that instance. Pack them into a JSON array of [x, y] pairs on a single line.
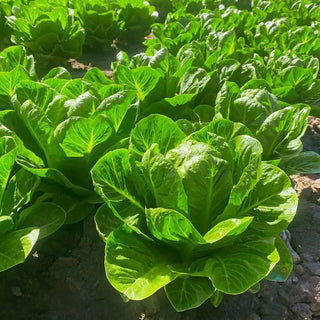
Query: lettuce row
[[191, 95], [54, 31], [239, 45]]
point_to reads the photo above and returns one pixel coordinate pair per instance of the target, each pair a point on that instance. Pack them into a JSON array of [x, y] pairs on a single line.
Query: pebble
[[302, 310], [295, 257], [315, 306], [295, 280], [313, 267], [16, 291], [305, 294], [286, 236], [298, 269]]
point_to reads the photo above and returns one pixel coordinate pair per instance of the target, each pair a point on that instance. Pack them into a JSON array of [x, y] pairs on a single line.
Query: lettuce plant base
[[65, 279]]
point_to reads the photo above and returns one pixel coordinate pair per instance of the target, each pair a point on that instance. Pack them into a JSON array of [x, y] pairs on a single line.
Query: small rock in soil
[[305, 295], [303, 311], [313, 267], [16, 291], [295, 280], [315, 306], [254, 317], [298, 269], [295, 257]]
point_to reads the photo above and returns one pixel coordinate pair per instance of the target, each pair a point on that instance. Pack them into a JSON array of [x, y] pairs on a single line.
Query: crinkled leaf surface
[[164, 182], [143, 79], [234, 269], [156, 129], [79, 136], [207, 181]]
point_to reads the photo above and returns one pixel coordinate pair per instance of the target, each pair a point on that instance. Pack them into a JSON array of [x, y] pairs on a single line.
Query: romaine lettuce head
[[200, 214], [48, 32], [21, 225]]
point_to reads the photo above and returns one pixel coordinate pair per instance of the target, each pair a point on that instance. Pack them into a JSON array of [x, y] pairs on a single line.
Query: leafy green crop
[[174, 87], [163, 84], [200, 214], [99, 21], [21, 226], [185, 147], [15, 66], [48, 32], [137, 17], [5, 10], [278, 129], [65, 126]]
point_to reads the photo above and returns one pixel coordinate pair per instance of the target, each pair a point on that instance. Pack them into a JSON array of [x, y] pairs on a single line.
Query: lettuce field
[[160, 160]]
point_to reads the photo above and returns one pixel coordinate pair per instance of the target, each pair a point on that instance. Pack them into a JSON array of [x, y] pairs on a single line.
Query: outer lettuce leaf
[[15, 247], [139, 270], [7, 158], [6, 225], [272, 203], [187, 293], [284, 267], [47, 217], [18, 192], [80, 137], [235, 269]]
